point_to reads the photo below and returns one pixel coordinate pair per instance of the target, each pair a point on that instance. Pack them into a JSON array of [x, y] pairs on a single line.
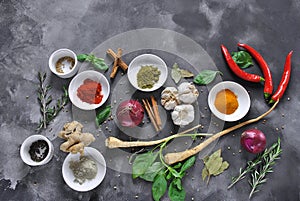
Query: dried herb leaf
[[214, 165], [223, 167], [205, 173], [175, 73], [186, 73]]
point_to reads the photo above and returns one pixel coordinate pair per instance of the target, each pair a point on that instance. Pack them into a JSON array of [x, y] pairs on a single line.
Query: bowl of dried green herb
[[147, 72]]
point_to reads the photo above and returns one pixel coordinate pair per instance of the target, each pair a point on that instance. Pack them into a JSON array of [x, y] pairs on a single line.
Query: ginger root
[[76, 140]]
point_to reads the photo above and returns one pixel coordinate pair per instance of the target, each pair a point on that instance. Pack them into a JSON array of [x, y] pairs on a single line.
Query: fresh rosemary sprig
[[48, 112], [258, 177], [251, 166]]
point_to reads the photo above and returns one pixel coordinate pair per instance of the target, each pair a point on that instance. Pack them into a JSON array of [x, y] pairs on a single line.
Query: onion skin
[[253, 140], [130, 113]]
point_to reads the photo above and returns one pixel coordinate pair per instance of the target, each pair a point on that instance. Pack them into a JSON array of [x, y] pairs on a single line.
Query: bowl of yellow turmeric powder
[[229, 101]]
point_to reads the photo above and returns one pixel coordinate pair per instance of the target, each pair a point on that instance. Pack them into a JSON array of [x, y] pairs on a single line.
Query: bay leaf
[[186, 73], [223, 167], [175, 73], [205, 173]]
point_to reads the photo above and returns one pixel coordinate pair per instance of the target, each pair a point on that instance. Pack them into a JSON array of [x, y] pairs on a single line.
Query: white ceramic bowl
[[88, 184], [242, 96], [78, 80], [55, 56], [147, 59], [24, 151]]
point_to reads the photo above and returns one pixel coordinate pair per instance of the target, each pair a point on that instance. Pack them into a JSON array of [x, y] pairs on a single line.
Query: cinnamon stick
[[148, 109], [121, 63], [156, 113], [115, 66]]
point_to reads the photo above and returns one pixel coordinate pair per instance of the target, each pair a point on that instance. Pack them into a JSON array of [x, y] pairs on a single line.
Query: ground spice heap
[[226, 102], [90, 92]]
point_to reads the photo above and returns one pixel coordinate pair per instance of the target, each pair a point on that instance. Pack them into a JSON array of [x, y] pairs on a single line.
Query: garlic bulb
[[183, 115], [187, 93], [169, 98]]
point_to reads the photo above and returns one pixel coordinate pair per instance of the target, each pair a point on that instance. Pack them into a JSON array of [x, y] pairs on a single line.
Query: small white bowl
[[24, 151], [88, 184], [78, 80], [55, 56], [242, 96], [147, 59]]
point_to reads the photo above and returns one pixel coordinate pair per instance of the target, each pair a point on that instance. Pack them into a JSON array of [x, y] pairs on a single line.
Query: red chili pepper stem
[[237, 70], [268, 86], [284, 79]]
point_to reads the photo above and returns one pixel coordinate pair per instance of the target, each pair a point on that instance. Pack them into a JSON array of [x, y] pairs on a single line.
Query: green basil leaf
[[206, 77], [188, 163], [159, 186], [175, 73], [152, 171], [177, 183], [174, 193], [103, 115], [100, 64], [82, 57], [169, 176], [242, 58], [178, 165], [174, 172], [142, 163]]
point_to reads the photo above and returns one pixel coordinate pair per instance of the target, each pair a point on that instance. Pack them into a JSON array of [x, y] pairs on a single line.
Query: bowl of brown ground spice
[[229, 101], [63, 63]]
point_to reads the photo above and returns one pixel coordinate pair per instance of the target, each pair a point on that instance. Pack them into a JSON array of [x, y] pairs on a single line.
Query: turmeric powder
[[226, 101]]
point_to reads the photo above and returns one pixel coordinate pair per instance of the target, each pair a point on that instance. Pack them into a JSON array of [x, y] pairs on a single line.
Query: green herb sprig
[[265, 160], [98, 63], [151, 167], [48, 112], [258, 177]]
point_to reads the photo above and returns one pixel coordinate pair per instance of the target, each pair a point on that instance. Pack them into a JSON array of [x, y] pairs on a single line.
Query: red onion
[[130, 113], [253, 140]]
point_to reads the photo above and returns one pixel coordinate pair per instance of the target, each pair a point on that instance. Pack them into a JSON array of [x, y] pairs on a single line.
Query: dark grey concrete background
[[32, 30]]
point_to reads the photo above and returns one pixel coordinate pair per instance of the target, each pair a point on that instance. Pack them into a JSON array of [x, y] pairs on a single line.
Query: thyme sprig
[[49, 112], [258, 177]]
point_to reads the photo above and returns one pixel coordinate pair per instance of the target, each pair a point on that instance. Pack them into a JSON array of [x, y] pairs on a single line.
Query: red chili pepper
[[284, 79], [237, 70], [268, 88]]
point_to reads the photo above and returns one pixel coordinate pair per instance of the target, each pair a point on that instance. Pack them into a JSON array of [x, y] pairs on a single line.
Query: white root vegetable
[[172, 158], [113, 142]]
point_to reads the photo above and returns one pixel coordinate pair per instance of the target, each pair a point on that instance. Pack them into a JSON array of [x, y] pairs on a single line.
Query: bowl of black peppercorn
[[36, 150]]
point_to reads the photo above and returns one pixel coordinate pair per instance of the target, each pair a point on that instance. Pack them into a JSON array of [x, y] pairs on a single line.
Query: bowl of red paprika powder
[[89, 90]]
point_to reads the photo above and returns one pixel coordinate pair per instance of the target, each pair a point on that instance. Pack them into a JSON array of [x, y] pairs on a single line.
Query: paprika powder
[[90, 92], [226, 101]]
